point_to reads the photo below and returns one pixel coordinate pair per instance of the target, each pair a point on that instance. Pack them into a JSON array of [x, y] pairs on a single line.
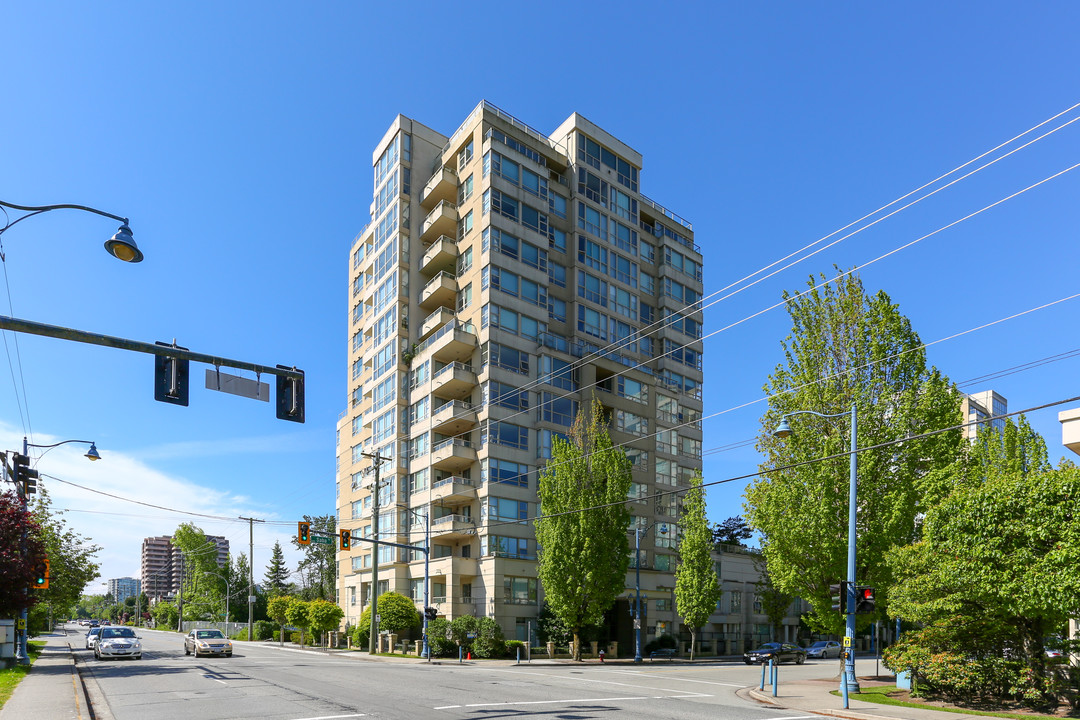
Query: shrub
[[663, 641], [439, 638], [239, 635], [489, 642], [512, 647], [294, 637], [265, 630], [360, 635]]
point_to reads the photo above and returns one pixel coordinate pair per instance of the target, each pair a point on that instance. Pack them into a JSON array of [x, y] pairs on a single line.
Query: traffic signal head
[[303, 533], [864, 600], [290, 396], [25, 476], [431, 613], [171, 378], [839, 593], [346, 539], [41, 575]]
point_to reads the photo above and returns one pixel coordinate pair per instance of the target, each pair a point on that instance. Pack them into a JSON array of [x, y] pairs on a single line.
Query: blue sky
[[237, 138]]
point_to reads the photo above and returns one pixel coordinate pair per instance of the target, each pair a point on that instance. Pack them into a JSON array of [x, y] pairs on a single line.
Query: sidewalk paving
[[52, 689]]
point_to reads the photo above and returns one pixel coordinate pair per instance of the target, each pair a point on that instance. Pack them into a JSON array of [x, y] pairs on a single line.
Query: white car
[[824, 649], [92, 637], [118, 642]]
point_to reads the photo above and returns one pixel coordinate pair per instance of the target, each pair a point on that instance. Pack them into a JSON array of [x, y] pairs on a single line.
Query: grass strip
[[879, 694], [11, 677]]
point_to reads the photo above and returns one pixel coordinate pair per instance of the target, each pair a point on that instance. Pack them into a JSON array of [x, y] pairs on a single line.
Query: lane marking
[[333, 717], [636, 686], [679, 679], [582, 700]]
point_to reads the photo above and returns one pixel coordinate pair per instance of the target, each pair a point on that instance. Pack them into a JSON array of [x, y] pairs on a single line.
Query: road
[[260, 681]]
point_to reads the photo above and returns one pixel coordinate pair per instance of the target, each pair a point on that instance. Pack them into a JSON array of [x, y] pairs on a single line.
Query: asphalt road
[[267, 682]]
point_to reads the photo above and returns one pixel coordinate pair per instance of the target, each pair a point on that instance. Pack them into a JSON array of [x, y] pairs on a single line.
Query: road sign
[[321, 540], [847, 641]]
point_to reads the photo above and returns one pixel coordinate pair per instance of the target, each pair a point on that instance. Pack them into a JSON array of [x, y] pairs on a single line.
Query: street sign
[[236, 385], [321, 540], [847, 641]]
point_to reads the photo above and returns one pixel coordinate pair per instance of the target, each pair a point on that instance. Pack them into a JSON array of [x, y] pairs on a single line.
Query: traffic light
[[864, 600], [431, 613], [290, 396], [25, 476], [839, 593], [346, 539], [41, 575], [303, 533], [170, 377]]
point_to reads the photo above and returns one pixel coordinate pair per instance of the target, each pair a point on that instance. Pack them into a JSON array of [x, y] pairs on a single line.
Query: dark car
[[777, 652]]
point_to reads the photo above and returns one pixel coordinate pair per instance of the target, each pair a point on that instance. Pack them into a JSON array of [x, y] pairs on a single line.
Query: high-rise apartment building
[[161, 566], [979, 407], [506, 278], [123, 588]]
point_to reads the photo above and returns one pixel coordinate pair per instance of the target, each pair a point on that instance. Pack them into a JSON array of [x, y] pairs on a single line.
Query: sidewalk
[[814, 696], [52, 689]]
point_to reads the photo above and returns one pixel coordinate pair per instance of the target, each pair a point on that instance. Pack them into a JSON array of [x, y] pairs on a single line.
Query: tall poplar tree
[[697, 589], [846, 347], [582, 531]]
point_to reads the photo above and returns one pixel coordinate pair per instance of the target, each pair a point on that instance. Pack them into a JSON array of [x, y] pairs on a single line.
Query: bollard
[[772, 678], [459, 654], [843, 686], [776, 678], [762, 686], [518, 656]]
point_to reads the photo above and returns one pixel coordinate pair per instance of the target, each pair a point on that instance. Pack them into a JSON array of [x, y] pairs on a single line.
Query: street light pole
[[638, 532], [849, 682], [373, 629]]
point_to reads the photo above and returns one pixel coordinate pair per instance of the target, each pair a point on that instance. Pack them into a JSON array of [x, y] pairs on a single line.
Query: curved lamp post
[[636, 611], [121, 245], [848, 682], [20, 652]]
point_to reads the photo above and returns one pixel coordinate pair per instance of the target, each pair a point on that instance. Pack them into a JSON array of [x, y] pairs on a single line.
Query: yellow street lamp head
[[92, 453], [122, 246]]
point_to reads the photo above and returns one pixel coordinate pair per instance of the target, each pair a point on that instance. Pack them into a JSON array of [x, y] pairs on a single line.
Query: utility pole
[[251, 575], [180, 597], [373, 631]]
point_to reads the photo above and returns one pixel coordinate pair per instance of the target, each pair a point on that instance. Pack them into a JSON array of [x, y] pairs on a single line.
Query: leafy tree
[[550, 628], [733, 531], [397, 614], [584, 549], [319, 567], [277, 572], [17, 567], [71, 558], [995, 567], [774, 602], [278, 610], [697, 589], [460, 628], [846, 348], [324, 616], [165, 614], [297, 614], [203, 586]]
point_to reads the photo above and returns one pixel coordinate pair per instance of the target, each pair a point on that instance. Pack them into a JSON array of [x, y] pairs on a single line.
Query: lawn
[[11, 677], [880, 694]]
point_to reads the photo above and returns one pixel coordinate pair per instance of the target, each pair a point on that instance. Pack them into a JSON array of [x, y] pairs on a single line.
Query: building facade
[[506, 278], [978, 408], [123, 588], [161, 566]]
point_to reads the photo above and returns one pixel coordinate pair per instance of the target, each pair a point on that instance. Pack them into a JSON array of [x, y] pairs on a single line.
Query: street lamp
[[849, 683], [121, 245], [638, 532]]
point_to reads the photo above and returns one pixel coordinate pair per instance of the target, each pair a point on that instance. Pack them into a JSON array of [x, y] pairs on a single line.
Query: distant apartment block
[[161, 565], [507, 277], [979, 407], [123, 588]]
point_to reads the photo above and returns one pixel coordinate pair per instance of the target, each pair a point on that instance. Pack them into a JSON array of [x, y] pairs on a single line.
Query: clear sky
[[237, 138]]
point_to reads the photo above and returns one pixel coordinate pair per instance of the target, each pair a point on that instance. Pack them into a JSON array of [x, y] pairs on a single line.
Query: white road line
[[580, 700], [333, 717], [636, 686], [680, 679]]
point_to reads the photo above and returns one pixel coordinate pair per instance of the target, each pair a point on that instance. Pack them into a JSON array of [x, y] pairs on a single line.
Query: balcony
[[453, 489], [440, 221], [440, 290], [435, 320], [439, 256], [453, 527], [453, 566], [454, 342], [453, 417], [453, 455], [442, 186], [454, 381]]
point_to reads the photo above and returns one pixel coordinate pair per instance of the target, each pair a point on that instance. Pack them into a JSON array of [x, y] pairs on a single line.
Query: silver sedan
[[118, 642]]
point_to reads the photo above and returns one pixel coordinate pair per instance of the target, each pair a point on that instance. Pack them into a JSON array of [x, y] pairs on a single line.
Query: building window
[[519, 590]]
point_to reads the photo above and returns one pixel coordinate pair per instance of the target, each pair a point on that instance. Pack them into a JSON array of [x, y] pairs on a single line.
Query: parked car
[[207, 642], [118, 642], [777, 652], [824, 649], [92, 637]]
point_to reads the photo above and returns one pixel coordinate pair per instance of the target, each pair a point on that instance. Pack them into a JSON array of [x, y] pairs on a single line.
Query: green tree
[[277, 572], [697, 589], [774, 602], [16, 567], [203, 584], [278, 611], [324, 616], [733, 531], [318, 569], [165, 614], [397, 614], [584, 548], [846, 348], [995, 566], [71, 558], [297, 614]]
